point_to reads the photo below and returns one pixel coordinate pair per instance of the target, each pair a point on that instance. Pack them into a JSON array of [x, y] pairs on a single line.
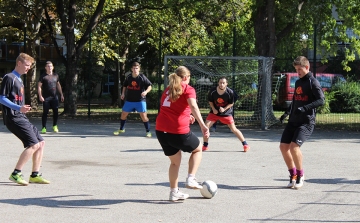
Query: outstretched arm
[[196, 113]]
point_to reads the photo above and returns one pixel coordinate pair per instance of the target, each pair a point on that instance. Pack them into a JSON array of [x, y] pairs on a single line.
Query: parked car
[[283, 86]]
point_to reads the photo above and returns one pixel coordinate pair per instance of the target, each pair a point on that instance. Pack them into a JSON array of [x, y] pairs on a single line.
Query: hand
[[221, 109], [205, 131], [25, 108], [215, 111], [143, 94], [282, 118], [192, 119], [300, 110]]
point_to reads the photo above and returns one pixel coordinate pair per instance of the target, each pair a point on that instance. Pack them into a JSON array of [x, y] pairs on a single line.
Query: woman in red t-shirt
[[178, 102]]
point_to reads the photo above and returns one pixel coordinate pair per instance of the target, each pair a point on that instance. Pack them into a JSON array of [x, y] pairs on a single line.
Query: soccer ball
[[209, 189]]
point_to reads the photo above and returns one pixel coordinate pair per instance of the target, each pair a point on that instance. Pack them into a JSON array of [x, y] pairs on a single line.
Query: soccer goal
[[249, 77]]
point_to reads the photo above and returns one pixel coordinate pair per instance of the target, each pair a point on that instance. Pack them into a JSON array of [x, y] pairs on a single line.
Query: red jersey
[[174, 117]]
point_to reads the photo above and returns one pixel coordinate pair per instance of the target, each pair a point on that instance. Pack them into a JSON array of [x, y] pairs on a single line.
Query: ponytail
[[175, 79]]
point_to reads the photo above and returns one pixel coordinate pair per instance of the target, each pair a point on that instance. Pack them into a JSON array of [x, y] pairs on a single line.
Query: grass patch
[[336, 121]]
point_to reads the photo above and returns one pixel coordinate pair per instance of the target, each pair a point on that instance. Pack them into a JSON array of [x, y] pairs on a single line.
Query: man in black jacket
[[307, 97]]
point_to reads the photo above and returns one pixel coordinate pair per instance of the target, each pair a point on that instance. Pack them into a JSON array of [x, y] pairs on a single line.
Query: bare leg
[[195, 160], [174, 169], [37, 157], [208, 124], [143, 116], [26, 156], [124, 115], [296, 155], [288, 158], [236, 131]]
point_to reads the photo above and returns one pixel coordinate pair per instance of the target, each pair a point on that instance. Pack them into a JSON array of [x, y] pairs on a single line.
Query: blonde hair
[[175, 79], [302, 61], [23, 56]]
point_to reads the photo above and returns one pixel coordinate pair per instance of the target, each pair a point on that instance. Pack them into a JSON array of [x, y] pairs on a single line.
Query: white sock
[[191, 176], [174, 189]]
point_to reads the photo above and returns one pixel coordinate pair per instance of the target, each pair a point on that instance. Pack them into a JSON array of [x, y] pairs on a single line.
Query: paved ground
[[97, 177]]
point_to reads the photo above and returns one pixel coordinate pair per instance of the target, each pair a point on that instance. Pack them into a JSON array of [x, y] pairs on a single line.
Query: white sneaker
[[178, 195], [299, 182], [292, 181], [192, 183]]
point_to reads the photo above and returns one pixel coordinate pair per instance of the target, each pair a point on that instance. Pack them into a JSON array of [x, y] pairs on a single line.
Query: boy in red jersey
[[178, 102]]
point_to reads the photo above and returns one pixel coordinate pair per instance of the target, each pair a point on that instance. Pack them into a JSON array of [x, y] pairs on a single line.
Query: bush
[[152, 100], [346, 97], [325, 109]]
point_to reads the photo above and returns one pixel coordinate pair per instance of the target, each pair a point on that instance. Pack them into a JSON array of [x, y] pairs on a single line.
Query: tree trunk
[[70, 105], [119, 77]]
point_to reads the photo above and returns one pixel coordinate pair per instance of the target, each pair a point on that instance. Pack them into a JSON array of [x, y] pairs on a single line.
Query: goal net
[[249, 77]]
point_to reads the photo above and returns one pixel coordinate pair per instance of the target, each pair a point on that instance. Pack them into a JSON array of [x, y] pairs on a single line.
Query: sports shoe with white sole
[[38, 180], [18, 178], [299, 182], [178, 195], [292, 181], [192, 183], [117, 132]]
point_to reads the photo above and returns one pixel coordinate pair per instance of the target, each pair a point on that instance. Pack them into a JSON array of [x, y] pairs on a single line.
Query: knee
[[283, 147], [41, 144]]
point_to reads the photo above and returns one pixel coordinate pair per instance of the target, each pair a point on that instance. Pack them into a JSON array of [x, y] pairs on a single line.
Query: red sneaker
[[204, 148], [246, 148]]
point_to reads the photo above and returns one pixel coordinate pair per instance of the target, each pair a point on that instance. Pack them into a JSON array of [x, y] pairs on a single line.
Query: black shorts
[[172, 143], [297, 133], [25, 131], [51, 102]]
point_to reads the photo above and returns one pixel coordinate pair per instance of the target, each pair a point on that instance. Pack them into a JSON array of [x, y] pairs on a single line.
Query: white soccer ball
[[209, 189]]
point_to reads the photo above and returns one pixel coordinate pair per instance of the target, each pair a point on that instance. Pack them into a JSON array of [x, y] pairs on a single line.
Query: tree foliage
[[123, 29]]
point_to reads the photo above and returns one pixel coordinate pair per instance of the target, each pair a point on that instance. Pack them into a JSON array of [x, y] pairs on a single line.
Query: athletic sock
[[147, 126], [205, 144], [244, 143], [34, 174], [292, 171], [191, 176], [300, 172], [16, 171], [122, 124], [174, 189]]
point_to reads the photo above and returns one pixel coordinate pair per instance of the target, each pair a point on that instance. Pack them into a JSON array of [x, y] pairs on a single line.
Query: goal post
[[249, 77]]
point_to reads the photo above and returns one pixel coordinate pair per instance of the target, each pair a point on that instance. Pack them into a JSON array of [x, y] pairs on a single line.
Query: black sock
[[34, 174], [206, 144], [16, 171], [244, 143]]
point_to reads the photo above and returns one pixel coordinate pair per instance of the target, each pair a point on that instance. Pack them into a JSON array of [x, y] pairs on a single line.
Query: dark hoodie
[[309, 95]]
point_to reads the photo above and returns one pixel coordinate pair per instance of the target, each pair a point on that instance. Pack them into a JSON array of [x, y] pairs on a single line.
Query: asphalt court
[[98, 177]]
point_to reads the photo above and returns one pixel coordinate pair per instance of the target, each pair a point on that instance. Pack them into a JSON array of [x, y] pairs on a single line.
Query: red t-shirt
[[174, 117]]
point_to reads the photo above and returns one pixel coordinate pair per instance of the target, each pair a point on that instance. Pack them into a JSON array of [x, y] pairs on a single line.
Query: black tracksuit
[[309, 95]]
